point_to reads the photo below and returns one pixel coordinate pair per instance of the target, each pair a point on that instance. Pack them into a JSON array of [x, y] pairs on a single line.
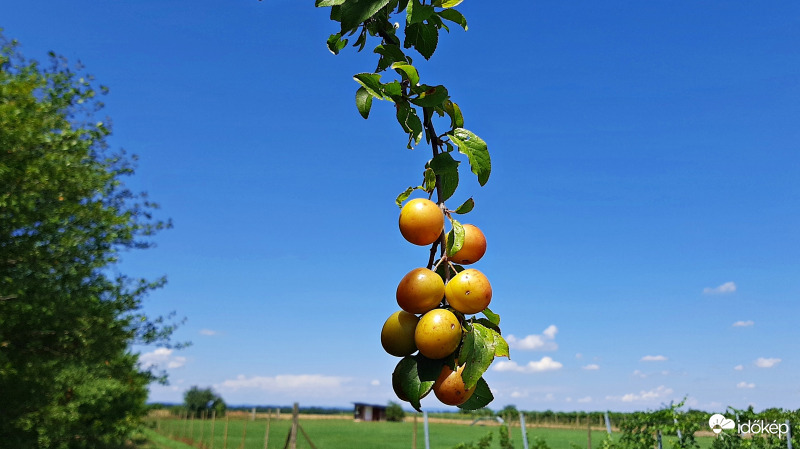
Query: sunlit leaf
[[476, 151]]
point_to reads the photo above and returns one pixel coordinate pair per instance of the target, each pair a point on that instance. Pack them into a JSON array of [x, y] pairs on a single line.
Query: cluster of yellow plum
[[433, 311]]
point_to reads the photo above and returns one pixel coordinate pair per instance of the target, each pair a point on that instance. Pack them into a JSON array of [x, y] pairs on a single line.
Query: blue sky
[[642, 214]]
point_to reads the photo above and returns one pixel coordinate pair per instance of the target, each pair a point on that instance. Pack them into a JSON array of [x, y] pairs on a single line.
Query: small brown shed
[[369, 412]]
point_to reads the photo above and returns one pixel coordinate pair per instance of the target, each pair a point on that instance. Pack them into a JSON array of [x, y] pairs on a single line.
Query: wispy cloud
[[585, 400], [161, 358], [747, 323], [545, 364], [536, 342], [591, 367], [208, 332], [653, 358], [762, 362], [738, 367], [728, 287], [641, 396], [296, 382], [745, 385]]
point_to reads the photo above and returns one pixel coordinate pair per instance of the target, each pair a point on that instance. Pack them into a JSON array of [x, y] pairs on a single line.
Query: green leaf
[[389, 55], [430, 97], [355, 12], [410, 122], [393, 90], [501, 350], [454, 16], [414, 376], [363, 101], [323, 3], [456, 118], [489, 325], [477, 352], [424, 37], [466, 207], [407, 71], [493, 317], [401, 5], [416, 12], [476, 150], [447, 3], [455, 238], [481, 397], [371, 82], [336, 43], [404, 196], [446, 168], [430, 180]]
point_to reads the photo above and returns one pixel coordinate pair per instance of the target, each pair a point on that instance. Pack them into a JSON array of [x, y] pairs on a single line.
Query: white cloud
[[738, 367], [591, 367], [728, 287], [638, 373], [579, 356], [656, 393], [534, 342], [375, 383], [585, 400], [762, 362], [208, 332], [747, 323], [653, 358], [545, 364], [745, 385], [298, 382], [161, 358]]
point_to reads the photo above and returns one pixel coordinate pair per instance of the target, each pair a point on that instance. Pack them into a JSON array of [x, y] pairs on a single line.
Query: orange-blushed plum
[[469, 291], [420, 290], [397, 335], [421, 221], [474, 246], [438, 334], [449, 388]]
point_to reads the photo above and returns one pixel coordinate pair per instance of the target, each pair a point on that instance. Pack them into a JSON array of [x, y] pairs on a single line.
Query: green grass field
[[347, 434]]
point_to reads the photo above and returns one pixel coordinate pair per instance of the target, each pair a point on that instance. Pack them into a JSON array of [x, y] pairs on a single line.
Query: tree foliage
[[67, 317], [394, 412], [199, 401]]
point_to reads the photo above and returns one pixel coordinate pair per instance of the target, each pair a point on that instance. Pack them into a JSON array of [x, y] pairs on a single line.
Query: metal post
[[659, 440], [608, 423], [425, 426], [524, 434], [680, 436], [788, 434]]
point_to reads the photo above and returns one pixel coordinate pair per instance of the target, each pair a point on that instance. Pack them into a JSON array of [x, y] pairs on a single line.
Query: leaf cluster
[[67, 317]]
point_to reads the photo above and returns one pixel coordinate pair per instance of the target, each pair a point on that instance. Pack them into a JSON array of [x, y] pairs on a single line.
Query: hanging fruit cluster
[[444, 345]]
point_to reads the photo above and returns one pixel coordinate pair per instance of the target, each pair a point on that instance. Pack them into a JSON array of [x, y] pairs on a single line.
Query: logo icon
[[718, 422]]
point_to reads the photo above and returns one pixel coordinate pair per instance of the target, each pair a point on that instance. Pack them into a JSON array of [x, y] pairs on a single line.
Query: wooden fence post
[[213, 421], [225, 434], [588, 434], [244, 432], [414, 439], [266, 432]]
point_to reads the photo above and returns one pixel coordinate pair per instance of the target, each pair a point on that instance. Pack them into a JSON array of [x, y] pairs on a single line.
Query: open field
[[347, 434]]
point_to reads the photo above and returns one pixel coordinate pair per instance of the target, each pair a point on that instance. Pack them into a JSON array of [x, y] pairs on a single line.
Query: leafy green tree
[[67, 318], [395, 412], [197, 401]]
